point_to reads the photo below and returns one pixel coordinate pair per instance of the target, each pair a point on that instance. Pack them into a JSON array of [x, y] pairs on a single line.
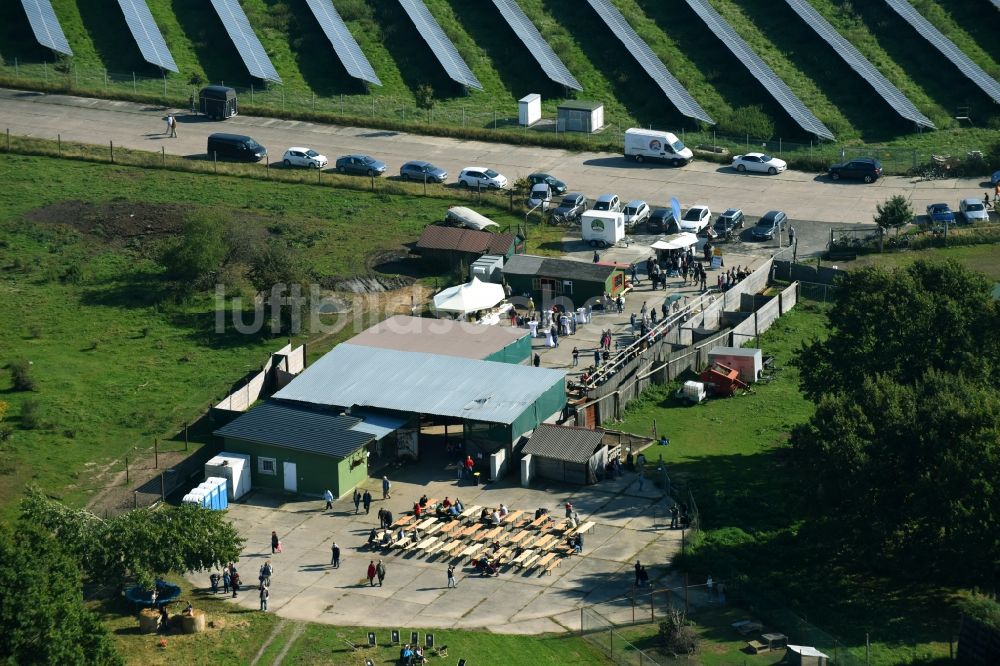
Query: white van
[[602, 228], [642, 144]]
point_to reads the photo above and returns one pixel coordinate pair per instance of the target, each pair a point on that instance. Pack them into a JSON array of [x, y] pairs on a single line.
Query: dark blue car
[[940, 213]]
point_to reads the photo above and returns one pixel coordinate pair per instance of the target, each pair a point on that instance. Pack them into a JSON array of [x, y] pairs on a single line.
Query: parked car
[[608, 202], [365, 165], [481, 177], [235, 147], [940, 213], [304, 157], [973, 210], [558, 187], [636, 212], [995, 179], [696, 218], [570, 208], [770, 225], [760, 163], [541, 195], [420, 171], [661, 221], [867, 169], [729, 221]]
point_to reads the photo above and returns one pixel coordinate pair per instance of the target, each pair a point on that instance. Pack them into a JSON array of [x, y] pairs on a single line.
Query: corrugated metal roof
[[436, 237], [564, 443], [378, 425], [564, 269], [300, 428], [414, 382], [448, 337]]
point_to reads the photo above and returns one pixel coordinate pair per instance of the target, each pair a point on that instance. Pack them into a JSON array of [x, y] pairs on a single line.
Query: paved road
[[802, 196]]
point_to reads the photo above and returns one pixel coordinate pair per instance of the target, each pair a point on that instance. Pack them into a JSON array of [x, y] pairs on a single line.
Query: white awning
[[807, 651], [676, 242], [470, 218], [470, 297]]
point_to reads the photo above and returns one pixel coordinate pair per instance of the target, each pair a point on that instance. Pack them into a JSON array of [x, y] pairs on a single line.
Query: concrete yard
[[630, 524]]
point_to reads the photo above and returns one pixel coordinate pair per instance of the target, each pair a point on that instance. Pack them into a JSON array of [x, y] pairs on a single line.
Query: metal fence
[[601, 632], [445, 115]]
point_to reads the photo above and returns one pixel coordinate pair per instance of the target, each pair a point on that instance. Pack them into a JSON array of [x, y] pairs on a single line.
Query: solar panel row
[[249, 47], [147, 34], [538, 47], [342, 41], [890, 93], [45, 25], [439, 44], [649, 61], [947, 48], [996, 3], [764, 74]]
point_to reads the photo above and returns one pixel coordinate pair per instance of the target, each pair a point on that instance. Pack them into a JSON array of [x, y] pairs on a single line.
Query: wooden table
[[541, 520], [517, 537], [491, 534], [427, 522], [511, 518], [449, 525], [586, 527], [546, 541], [434, 527], [471, 550], [522, 558], [402, 520], [452, 546], [471, 511], [470, 530], [426, 542]]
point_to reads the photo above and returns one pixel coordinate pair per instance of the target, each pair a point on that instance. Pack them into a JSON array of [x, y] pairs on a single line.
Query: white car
[[696, 218], [760, 163], [481, 177], [304, 157], [608, 202], [973, 210], [541, 195], [636, 212]]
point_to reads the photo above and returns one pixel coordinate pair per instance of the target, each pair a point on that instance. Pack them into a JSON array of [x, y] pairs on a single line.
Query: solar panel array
[[947, 48], [996, 3], [147, 34], [764, 74], [343, 42], [537, 46], [439, 44], [860, 64], [246, 42], [45, 25], [649, 61]]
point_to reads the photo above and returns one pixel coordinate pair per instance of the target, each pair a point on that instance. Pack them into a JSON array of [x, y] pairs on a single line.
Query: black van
[[235, 147], [218, 102]]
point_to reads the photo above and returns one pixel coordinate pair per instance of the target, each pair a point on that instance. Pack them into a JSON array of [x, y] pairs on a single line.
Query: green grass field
[[315, 81], [82, 296]]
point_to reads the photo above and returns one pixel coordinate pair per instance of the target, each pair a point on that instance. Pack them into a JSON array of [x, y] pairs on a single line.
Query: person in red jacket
[[371, 573]]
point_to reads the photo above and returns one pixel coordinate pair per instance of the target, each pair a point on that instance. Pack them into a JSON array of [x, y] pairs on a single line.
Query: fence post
[[156, 453], [105, 79], [8, 139], [126, 470], [45, 68], [133, 82], [215, 161], [185, 436], [163, 157], [267, 166], [135, 499], [251, 93], [494, 120], [163, 488], [17, 70], [112, 144], [59, 143]]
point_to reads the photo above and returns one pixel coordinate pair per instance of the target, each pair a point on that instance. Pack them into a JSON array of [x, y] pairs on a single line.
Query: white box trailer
[[602, 228], [747, 361], [235, 468], [642, 144]]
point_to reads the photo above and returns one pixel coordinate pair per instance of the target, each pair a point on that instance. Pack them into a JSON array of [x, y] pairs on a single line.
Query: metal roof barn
[[415, 382]]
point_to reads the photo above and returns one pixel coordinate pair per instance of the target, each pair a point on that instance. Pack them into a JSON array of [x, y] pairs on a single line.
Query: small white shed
[[529, 109], [235, 468], [748, 362], [488, 268], [803, 655], [580, 116]]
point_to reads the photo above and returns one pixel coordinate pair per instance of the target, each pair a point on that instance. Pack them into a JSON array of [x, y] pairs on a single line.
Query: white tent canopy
[[676, 242], [469, 297], [470, 218]]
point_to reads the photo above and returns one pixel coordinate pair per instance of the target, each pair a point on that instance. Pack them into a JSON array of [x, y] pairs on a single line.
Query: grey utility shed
[[569, 454]]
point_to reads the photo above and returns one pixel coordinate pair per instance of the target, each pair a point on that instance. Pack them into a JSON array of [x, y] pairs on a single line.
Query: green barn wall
[[316, 472], [517, 352]]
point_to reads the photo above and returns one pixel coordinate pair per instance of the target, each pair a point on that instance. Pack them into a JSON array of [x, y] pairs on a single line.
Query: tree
[[277, 274], [424, 97], [140, 544], [20, 375], [900, 323], [41, 605], [896, 212], [194, 258]]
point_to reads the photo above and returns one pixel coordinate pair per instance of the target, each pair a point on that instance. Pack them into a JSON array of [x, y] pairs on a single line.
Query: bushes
[[677, 634], [748, 120], [20, 375], [31, 416]]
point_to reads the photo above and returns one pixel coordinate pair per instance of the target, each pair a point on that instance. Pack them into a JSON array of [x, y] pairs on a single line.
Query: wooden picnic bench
[[586, 527], [517, 537], [526, 562], [424, 524], [470, 530], [403, 520], [423, 545], [545, 559], [538, 522], [451, 547], [546, 542], [434, 527], [519, 560], [471, 511], [449, 526], [471, 550], [491, 533], [511, 518], [757, 647]]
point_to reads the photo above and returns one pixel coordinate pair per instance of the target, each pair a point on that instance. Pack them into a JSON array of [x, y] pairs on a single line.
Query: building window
[[267, 466], [536, 284]]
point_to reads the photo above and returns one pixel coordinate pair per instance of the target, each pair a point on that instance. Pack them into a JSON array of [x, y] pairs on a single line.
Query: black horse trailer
[[218, 102]]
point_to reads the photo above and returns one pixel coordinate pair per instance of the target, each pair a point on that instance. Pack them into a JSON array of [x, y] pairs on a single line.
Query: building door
[[548, 289], [291, 478]]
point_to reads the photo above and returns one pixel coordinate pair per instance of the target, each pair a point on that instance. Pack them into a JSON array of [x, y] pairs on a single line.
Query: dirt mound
[[113, 220]]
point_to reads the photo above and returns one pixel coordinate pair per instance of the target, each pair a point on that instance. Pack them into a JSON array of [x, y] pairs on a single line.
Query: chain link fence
[[601, 632], [446, 117]]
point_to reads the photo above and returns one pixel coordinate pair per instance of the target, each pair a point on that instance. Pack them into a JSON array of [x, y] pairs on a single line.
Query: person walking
[[569, 509], [226, 580], [371, 573], [380, 572], [328, 496], [576, 357], [536, 361], [335, 555], [357, 500], [214, 580], [234, 581], [173, 126], [366, 499], [451, 576], [638, 568], [265, 573], [167, 119], [385, 487], [264, 594], [275, 543], [673, 516]]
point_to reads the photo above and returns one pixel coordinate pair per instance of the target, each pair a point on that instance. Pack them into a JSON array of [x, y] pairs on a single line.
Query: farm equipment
[[722, 380]]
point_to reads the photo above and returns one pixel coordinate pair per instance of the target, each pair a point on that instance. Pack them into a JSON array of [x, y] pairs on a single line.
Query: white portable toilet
[[529, 109], [235, 468]]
